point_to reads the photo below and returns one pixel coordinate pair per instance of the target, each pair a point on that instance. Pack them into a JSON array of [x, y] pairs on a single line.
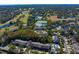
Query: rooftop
[[41, 22]]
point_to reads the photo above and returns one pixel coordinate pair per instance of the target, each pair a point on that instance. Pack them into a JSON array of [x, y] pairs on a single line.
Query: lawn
[[25, 18]]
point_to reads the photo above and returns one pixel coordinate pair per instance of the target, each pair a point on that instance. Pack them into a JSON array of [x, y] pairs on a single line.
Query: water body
[[40, 5], [6, 25]]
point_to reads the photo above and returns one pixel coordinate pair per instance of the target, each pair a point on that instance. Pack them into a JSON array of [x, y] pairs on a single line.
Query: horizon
[[39, 5]]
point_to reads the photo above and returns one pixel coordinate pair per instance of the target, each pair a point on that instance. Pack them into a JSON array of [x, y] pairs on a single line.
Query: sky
[[7, 2]]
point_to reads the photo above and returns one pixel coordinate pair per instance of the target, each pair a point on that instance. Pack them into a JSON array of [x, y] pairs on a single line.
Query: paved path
[[67, 46], [75, 45]]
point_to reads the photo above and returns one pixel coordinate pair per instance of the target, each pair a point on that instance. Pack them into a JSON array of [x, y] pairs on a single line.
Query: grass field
[[24, 19]]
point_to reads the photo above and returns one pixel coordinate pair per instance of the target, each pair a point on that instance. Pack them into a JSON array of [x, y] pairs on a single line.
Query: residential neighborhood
[[39, 29]]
